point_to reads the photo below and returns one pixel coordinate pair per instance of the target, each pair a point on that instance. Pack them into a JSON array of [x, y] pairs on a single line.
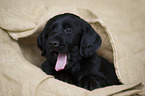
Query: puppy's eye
[[67, 30], [52, 27]]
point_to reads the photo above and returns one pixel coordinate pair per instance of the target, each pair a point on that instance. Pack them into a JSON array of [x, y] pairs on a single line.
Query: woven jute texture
[[120, 24]]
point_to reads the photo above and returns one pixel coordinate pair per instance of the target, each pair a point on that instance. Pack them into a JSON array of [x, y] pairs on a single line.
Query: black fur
[[68, 33]]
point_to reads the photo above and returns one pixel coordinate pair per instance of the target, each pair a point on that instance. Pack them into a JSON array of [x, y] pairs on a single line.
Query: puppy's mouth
[[61, 60]]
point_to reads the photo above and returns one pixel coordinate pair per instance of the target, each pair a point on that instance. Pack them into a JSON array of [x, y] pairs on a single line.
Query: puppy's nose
[[54, 43]]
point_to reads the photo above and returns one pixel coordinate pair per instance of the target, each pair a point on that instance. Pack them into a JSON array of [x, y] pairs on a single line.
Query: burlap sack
[[20, 59]]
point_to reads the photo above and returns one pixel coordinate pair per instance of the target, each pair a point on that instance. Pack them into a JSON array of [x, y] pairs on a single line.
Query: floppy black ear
[[90, 42], [41, 41]]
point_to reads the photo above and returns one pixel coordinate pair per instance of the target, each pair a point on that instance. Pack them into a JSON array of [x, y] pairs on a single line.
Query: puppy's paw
[[90, 83], [65, 77], [47, 68]]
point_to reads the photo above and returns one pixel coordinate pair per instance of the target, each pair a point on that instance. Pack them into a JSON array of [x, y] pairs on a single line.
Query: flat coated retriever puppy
[[69, 43]]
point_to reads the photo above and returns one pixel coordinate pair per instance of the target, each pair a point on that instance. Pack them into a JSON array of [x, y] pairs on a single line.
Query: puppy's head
[[64, 32]]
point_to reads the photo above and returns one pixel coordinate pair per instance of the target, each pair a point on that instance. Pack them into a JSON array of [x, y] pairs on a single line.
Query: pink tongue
[[61, 62]]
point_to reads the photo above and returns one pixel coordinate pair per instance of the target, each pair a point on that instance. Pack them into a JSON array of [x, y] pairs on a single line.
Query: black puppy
[[69, 43]]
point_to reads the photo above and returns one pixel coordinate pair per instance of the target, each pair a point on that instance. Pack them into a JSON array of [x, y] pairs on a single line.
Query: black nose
[[54, 43]]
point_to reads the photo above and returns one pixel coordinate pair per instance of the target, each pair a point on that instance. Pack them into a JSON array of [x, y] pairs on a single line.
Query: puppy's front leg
[[47, 68], [65, 76]]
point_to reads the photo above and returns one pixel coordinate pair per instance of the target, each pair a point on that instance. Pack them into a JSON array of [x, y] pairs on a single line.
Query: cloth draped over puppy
[[20, 58]]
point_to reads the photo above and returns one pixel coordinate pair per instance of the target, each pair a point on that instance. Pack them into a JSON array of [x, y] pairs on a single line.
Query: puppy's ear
[[41, 41], [90, 42]]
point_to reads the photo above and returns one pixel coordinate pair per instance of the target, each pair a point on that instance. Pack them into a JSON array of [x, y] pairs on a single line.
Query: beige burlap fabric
[[123, 44]]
